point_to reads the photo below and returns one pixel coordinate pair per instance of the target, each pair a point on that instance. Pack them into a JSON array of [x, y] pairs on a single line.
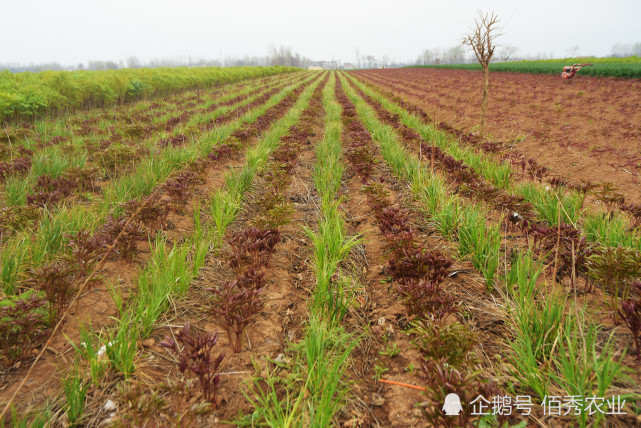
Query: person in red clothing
[[570, 70]]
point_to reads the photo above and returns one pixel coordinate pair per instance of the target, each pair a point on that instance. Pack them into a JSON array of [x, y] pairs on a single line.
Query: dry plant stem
[[64, 315]]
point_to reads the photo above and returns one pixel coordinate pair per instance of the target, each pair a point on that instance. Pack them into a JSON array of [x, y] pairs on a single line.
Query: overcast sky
[[73, 31]]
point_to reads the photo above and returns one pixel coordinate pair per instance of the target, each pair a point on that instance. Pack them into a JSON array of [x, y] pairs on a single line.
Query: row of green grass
[[171, 270], [479, 241], [611, 229], [555, 347], [28, 95], [315, 389], [327, 346], [24, 251], [627, 68], [54, 160]]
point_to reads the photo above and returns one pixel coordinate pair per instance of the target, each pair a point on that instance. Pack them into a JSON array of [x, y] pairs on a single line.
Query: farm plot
[[329, 258], [628, 68], [81, 246], [587, 128]]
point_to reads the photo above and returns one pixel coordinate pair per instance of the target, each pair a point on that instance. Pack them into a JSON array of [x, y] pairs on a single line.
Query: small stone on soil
[[109, 406]]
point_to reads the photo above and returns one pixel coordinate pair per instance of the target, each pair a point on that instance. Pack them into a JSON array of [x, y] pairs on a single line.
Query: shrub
[[615, 268], [84, 178], [251, 247], [414, 263], [23, 325], [17, 218], [441, 380], [152, 212], [116, 159], [635, 211], [179, 187], [450, 343], [220, 152], [56, 280], [630, 313], [126, 242], [426, 299], [50, 191], [196, 356], [17, 167], [235, 308], [608, 195], [86, 249]]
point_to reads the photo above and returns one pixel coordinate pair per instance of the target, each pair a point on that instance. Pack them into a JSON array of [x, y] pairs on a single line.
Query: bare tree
[[134, 62], [370, 60], [481, 40], [507, 52], [385, 61], [102, 65], [455, 54], [439, 53], [428, 55], [358, 57], [572, 51]]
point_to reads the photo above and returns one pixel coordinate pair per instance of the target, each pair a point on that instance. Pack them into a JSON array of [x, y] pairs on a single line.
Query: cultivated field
[[585, 128], [325, 249], [627, 67]]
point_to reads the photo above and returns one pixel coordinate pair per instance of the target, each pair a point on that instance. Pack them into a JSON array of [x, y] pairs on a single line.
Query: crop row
[[626, 70], [27, 95], [559, 244], [534, 209], [22, 251], [235, 303], [171, 269], [538, 316], [59, 280], [419, 273], [605, 226], [103, 159]]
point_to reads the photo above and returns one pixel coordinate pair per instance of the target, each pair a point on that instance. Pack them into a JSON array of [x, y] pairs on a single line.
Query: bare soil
[[585, 128]]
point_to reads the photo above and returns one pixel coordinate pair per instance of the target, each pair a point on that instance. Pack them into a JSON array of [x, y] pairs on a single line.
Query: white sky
[[72, 31]]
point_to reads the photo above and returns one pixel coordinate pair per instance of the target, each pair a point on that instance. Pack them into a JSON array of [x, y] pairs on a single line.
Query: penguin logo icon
[[452, 405]]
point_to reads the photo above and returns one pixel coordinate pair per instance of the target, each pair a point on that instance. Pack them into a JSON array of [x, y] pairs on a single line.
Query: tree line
[[276, 56]]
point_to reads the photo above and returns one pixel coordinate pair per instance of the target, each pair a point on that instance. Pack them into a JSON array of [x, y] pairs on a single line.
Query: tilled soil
[[289, 281], [96, 308], [586, 128]]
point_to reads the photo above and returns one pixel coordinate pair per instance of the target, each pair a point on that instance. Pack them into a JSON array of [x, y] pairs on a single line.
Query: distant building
[[348, 66], [323, 65]]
